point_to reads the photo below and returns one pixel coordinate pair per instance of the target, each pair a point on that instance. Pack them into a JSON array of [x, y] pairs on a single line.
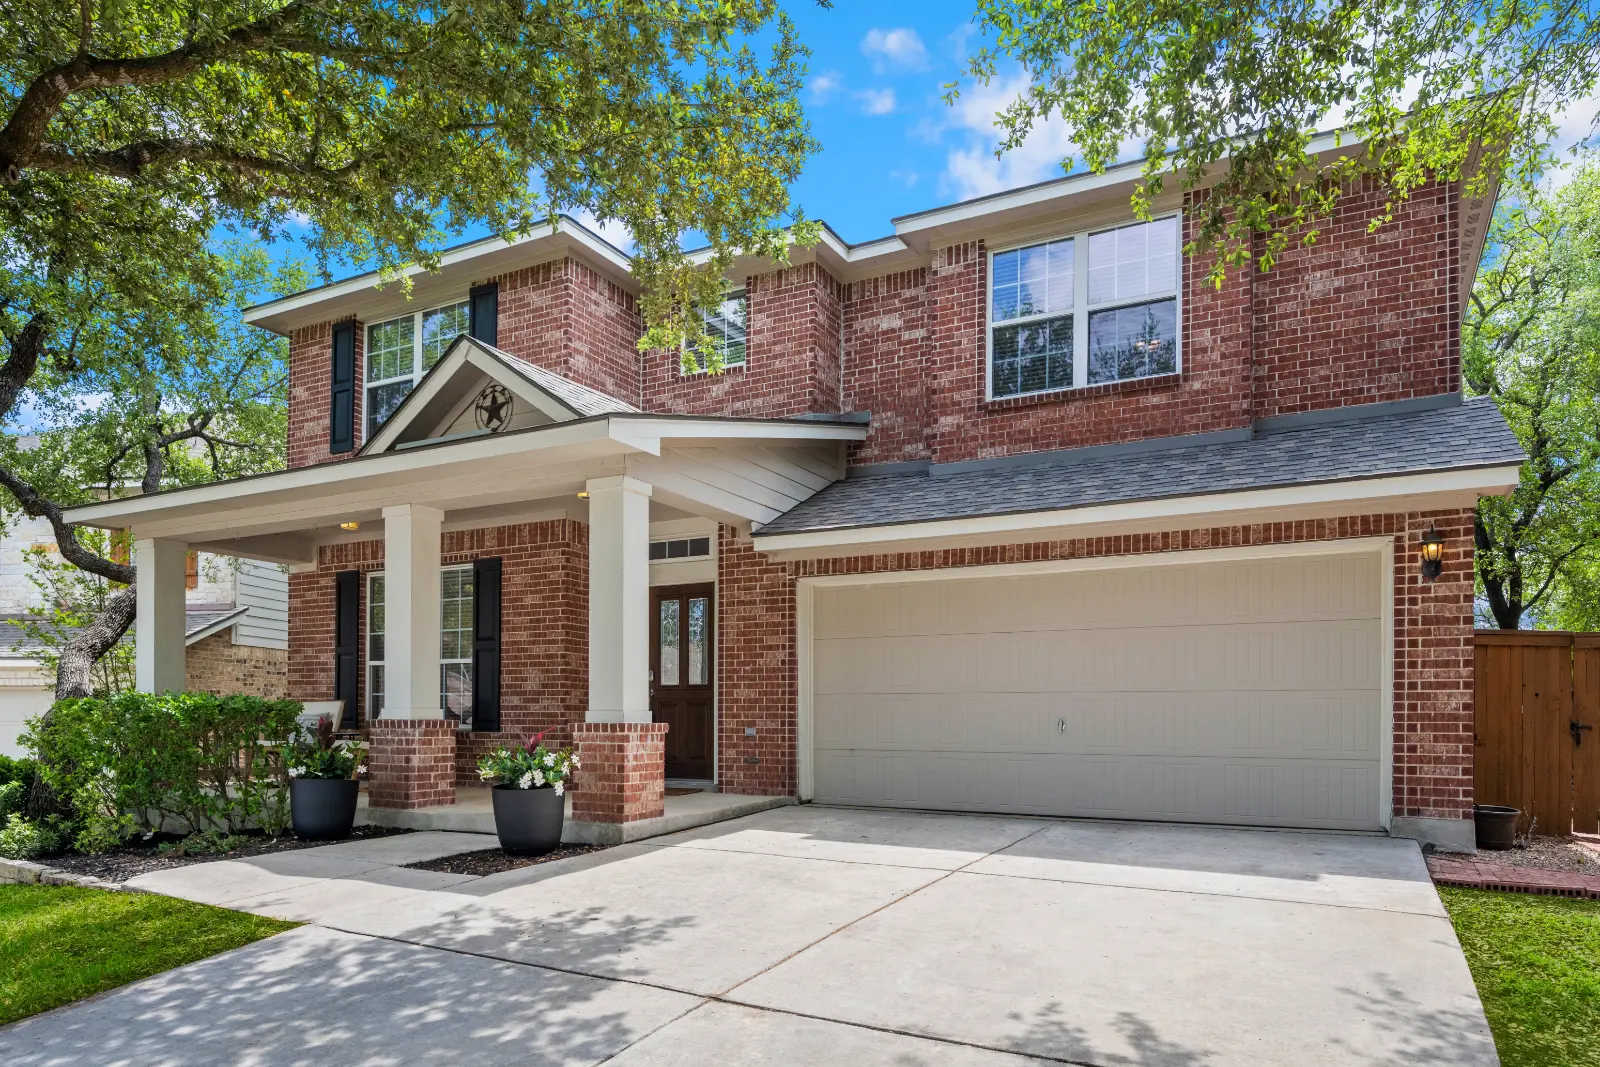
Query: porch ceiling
[[738, 471]]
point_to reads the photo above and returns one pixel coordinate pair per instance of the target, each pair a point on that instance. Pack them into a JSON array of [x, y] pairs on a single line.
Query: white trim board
[[1383, 547]]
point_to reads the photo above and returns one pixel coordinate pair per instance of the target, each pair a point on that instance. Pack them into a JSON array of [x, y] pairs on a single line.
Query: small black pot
[[323, 809], [1496, 826], [528, 821]]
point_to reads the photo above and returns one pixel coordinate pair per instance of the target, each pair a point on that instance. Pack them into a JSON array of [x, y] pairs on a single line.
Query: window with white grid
[[401, 350], [1086, 309]]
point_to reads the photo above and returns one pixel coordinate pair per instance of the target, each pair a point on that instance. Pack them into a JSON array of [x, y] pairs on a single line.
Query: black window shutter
[[347, 644], [342, 417], [486, 644], [483, 313]]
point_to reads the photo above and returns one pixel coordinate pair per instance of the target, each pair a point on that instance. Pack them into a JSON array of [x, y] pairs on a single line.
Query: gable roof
[[548, 395], [1467, 435]]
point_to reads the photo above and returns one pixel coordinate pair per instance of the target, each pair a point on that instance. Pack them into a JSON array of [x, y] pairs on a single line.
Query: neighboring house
[[1009, 511], [235, 623]]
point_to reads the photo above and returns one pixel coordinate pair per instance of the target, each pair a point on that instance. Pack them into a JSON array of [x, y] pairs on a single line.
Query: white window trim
[[366, 638], [417, 371], [743, 291], [1081, 310], [456, 661], [710, 539]]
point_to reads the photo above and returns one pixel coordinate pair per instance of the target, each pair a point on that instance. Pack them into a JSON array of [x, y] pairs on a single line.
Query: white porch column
[[158, 649], [619, 600], [411, 545]]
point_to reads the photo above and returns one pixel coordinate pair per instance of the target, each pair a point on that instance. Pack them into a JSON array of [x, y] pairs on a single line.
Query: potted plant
[[322, 783], [528, 786]]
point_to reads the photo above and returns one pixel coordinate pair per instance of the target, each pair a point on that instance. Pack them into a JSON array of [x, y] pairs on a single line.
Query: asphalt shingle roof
[[1465, 435]]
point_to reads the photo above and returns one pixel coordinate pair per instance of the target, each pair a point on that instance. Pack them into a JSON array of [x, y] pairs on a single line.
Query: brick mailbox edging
[[623, 777], [412, 763]]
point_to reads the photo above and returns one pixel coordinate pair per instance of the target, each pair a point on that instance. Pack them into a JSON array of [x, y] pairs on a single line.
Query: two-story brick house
[[1009, 511]]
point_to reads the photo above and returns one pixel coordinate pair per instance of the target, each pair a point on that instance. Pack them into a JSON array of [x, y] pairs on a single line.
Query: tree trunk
[[79, 655]]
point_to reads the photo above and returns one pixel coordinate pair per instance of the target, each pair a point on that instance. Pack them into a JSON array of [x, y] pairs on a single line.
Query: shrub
[[137, 762], [21, 839], [12, 795], [16, 770]]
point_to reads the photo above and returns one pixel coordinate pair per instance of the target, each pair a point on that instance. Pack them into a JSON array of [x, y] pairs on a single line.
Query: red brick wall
[[1362, 317], [755, 670], [792, 356], [623, 774], [544, 654], [411, 763], [1433, 678], [886, 336], [310, 381], [567, 318], [216, 665]]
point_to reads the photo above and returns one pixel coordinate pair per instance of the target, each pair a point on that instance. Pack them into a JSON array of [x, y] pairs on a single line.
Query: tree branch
[[75, 663], [66, 535]]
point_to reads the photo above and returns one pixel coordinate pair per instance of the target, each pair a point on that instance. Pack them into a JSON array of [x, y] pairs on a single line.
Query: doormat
[[674, 791]]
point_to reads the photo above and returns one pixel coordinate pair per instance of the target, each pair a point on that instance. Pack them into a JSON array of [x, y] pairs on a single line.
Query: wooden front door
[[680, 675]]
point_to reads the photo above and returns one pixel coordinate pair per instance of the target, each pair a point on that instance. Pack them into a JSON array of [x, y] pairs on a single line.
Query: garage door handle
[[1577, 729], [1061, 726]]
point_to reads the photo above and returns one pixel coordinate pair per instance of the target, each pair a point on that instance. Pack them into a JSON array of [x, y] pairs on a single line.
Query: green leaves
[[1231, 94], [1532, 342]]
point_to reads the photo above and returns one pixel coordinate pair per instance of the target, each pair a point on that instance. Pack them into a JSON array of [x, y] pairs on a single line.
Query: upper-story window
[[400, 351], [1095, 307], [726, 325]]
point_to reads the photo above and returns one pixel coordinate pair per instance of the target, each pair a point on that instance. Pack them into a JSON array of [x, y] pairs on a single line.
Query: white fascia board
[[725, 429], [1402, 492], [117, 513], [569, 232]]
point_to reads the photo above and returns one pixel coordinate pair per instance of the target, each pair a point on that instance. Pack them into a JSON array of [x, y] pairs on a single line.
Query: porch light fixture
[[1432, 554], [349, 526], [583, 494]]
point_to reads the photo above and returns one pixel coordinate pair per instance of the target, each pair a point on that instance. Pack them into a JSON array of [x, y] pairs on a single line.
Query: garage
[[1219, 689]]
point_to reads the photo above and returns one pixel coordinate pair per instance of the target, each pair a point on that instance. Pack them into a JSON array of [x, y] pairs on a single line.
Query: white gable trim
[[465, 352]]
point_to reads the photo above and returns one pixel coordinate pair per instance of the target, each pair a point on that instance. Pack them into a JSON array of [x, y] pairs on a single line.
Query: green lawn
[[59, 943], [1536, 962]]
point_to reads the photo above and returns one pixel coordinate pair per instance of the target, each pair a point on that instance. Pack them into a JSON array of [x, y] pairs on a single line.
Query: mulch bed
[[493, 860], [142, 857]]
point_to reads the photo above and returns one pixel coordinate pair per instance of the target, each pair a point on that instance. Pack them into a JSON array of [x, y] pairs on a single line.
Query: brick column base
[[412, 763], [624, 773]]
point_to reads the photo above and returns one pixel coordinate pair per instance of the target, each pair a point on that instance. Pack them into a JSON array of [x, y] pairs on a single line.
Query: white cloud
[[896, 49], [612, 231], [876, 101], [908, 178], [824, 86], [958, 39], [971, 168]]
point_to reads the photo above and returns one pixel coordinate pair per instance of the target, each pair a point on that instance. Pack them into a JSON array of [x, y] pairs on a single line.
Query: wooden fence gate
[[1537, 706]]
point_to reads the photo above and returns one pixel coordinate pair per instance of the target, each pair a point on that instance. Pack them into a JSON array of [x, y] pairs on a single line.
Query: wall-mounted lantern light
[[583, 494], [349, 526], [1432, 554]]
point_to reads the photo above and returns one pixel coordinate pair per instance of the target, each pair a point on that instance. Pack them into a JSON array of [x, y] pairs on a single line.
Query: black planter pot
[[528, 821], [1496, 826], [323, 809]]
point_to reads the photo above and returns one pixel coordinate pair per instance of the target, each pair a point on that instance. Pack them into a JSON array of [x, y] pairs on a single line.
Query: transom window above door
[[400, 351], [1094, 307]]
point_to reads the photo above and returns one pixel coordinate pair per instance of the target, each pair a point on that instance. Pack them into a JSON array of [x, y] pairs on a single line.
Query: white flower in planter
[[538, 777], [294, 772], [560, 788], [526, 781]]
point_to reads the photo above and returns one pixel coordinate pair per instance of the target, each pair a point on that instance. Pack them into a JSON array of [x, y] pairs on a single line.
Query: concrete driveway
[[815, 935]]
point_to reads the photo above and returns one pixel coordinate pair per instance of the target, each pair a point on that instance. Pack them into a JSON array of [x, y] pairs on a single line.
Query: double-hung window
[[400, 351], [726, 324], [455, 644], [1088, 309]]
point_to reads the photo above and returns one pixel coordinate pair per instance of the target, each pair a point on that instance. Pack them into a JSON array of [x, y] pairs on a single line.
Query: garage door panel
[[1301, 590], [1187, 789], [1290, 655], [1323, 725], [1243, 691]]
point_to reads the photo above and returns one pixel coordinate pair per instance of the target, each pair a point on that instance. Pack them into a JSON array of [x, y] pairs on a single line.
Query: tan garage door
[[1241, 692]]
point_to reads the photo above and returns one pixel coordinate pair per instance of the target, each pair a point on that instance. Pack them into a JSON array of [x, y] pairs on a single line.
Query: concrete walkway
[[809, 936]]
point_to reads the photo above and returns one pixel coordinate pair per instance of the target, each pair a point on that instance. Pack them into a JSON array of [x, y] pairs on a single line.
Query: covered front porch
[[552, 567]]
